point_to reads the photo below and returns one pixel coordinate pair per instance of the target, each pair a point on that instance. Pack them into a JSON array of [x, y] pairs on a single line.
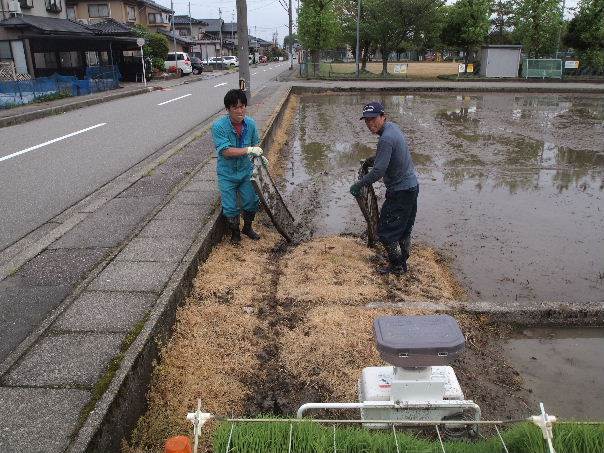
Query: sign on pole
[[470, 68], [140, 42], [461, 67], [400, 68]]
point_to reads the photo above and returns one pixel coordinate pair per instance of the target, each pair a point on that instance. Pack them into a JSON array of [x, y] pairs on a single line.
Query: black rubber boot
[[248, 218], [405, 244], [233, 224], [395, 260]]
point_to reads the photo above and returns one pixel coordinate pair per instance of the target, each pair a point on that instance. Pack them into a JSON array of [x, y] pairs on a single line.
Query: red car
[[263, 59]]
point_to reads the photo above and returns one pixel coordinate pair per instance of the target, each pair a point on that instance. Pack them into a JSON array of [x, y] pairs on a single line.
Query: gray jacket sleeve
[[382, 160]]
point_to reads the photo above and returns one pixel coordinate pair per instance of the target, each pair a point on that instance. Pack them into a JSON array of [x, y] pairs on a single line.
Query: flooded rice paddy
[[511, 185]]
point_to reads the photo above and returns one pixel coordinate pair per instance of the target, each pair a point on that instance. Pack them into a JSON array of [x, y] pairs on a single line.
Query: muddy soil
[[511, 185]]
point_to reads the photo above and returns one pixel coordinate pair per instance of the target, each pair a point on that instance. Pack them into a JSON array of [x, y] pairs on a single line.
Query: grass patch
[[102, 384], [314, 438], [53, 96]]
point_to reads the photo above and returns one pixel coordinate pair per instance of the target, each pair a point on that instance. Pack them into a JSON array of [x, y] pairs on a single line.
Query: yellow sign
[[470, 68]]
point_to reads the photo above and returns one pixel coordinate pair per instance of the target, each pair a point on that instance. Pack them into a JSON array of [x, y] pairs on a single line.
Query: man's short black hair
[[233, 97]]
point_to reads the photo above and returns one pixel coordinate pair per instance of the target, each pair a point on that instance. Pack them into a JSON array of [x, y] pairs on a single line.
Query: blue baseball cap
[[372, 110]]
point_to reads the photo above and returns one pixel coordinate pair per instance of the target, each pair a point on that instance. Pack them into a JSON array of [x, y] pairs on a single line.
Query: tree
[[466, 24], [586, 33], [502, 21], [318, 27], [156, 46], [293, 38], [537, 26], [399, 25]]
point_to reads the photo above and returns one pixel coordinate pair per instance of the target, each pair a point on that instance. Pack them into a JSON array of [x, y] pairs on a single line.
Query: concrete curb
[[307, 89]]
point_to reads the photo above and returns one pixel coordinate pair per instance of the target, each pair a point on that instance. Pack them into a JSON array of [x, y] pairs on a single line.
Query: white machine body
[[428, 393]]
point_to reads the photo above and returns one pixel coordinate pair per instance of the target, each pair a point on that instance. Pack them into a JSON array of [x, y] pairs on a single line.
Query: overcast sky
[[264, 16]]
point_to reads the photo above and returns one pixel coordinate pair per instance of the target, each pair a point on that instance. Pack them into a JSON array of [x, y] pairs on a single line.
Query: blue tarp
[[98, 78]]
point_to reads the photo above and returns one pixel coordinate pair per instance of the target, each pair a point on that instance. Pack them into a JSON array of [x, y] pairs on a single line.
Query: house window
[[70, 59], [54, 6], [131, 11], [45, 60], [184, 32], [26, 3], [98, 10], [5, 53], [92, 58], [152, 19], [71, 12]]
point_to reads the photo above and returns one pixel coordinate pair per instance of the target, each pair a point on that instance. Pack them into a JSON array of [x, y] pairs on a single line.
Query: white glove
[[255, 150]]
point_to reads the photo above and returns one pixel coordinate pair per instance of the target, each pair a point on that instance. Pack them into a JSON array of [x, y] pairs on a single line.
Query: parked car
[[231, 61], [263, 59], [196, 65], [183, 63]]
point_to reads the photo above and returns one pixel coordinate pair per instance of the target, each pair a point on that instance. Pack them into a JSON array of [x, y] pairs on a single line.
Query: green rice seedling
[[310, 437]]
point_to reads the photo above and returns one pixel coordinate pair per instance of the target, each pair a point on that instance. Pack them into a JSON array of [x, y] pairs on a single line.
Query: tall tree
[[537, 26], [396, 25], [502, 21], [318, 27], [467, 24], [586, 33]]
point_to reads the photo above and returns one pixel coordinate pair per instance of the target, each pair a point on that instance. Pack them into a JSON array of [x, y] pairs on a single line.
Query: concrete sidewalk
[[92, 296], [35, 110]]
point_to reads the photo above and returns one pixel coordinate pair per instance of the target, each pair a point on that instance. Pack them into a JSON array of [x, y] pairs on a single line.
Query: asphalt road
[[49, 164]]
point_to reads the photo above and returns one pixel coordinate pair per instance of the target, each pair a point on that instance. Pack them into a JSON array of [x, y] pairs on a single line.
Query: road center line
[[54, 140], [220, 84], [254, 73], [175, 99]]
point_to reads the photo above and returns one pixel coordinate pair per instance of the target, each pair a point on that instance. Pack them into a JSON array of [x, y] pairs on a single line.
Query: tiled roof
[[153, 4], [111, 27], [186, 40], [47, 25], [213, 25], [183, 19]]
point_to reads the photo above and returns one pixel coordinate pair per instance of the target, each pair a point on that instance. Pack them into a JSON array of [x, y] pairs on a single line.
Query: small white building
[[500, 60]]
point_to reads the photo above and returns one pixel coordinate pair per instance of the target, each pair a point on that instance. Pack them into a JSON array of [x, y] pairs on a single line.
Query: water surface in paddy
[[511, 185], [563, 368]]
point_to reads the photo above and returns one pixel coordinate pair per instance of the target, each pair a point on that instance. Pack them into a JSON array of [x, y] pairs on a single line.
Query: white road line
[[175, 99], [253, 73], [264, 70], [54, 140], [220, 84]]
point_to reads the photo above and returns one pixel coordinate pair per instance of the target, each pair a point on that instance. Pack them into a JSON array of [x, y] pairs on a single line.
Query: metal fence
[[542, 68], [19, 92]]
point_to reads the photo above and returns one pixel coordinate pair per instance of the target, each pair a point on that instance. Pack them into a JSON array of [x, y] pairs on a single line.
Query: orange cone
[[178, 444]]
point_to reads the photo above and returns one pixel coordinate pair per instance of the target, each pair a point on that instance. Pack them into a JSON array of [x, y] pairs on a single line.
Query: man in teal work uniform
[[236, 139]]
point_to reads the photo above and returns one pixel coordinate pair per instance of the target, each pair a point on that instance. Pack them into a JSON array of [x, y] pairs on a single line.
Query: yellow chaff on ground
[[229, 320], [330, 270]]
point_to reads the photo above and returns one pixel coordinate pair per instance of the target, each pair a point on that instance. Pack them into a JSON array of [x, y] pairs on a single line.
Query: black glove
[[355, 189], [368, 163]]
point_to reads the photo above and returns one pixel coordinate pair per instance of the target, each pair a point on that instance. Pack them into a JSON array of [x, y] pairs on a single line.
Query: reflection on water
[[501, 140]]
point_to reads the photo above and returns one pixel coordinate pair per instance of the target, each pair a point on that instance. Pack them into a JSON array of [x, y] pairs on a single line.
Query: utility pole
[[220, 28], [174, 36], [358, 33], [244, 49], [190, 22], [560, 27], [232, 22], [291, 54]]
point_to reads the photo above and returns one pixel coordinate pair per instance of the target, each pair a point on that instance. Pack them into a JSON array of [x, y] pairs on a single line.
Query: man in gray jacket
[[393, 163]]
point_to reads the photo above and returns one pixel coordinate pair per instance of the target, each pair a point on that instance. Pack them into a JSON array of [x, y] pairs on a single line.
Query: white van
[[183, 63]]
